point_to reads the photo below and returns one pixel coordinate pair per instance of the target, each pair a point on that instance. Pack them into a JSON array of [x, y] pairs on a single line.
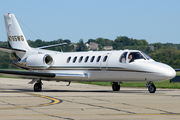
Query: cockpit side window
[[134, 56], [122, 59]]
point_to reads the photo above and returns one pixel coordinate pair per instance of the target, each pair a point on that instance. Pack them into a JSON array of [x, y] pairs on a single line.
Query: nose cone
[[170, 73], [166, 71]]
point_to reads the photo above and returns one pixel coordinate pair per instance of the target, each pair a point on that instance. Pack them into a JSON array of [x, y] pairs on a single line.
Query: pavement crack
[[9, 103], [50, 115], [101, 107], [165, 112]]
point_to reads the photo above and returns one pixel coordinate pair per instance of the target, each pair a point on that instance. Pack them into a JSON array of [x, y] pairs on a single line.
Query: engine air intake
[[48, 59]]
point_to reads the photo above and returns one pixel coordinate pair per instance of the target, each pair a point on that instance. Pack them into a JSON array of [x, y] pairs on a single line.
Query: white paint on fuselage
[[110, 70]]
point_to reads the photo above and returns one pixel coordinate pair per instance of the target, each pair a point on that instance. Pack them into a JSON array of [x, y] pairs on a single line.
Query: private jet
[[101, 66]]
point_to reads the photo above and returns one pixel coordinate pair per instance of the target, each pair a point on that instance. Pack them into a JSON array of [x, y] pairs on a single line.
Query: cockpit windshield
[[146, 55]]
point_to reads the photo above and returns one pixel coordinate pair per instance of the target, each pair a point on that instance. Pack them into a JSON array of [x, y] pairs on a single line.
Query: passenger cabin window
[[74, 60], [105, 58], [122, 59], [98, 59], [86, 59], [92, 59], [134, 56], [69, 58], [80, 59]]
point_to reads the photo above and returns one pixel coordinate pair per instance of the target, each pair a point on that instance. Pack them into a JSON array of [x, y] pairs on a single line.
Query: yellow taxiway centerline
[[53, 101]]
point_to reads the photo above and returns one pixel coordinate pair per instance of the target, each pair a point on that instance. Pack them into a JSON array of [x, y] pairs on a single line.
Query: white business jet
[[110, 66]]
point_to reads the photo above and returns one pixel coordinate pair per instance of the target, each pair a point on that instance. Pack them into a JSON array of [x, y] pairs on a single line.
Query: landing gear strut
[[151, 87], [115, 86], [38, 86]]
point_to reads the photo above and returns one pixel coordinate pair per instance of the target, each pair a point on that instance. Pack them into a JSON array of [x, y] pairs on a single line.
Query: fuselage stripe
[[86, 68]]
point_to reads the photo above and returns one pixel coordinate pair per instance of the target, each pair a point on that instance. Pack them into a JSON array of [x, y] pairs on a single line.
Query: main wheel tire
[[115, 87], [152, 88], [37, 87]]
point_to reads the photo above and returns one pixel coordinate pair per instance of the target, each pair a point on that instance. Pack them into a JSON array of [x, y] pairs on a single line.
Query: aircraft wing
[[40, 75], [177, 70], [9, 50], [26, 74]]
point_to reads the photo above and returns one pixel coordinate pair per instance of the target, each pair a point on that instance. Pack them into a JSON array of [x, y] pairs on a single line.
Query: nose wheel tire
[[151, 87], [115, 86], [37, 87]]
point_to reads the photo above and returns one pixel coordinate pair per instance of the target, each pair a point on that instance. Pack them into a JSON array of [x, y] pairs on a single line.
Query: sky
[[152, 20]]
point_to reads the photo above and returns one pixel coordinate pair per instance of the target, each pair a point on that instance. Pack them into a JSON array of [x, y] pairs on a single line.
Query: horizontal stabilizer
[[51, 46], [9, 50], [26, 74]]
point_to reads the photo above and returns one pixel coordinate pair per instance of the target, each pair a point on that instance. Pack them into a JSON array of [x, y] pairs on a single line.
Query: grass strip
[[158, 84]]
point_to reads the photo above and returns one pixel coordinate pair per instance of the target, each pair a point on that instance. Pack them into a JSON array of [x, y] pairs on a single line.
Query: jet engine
[[41, 61]]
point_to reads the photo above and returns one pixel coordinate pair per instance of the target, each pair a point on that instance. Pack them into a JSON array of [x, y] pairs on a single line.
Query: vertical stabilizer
[[15, 35]]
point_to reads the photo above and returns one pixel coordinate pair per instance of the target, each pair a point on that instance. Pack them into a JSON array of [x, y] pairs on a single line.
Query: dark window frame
[[92, 58], [68, 60], [80, 59], [98, 58], [75, 58], [86, 59], [105, 58]]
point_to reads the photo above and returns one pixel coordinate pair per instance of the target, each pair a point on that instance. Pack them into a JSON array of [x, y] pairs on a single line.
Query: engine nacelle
[[41, 61]]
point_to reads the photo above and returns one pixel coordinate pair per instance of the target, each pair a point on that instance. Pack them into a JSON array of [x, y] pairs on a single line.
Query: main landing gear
[[115, 86], [38, 86], [151, 87]]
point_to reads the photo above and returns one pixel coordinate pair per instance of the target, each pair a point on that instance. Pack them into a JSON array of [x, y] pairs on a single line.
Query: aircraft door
[[104, 61]]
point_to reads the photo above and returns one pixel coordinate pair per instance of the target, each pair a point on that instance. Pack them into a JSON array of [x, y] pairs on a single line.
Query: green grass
[[178, 73], [2, 76], [15, 69], [159, 84]]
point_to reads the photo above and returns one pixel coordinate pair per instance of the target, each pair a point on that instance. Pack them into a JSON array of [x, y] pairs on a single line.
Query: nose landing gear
[[151, 87]]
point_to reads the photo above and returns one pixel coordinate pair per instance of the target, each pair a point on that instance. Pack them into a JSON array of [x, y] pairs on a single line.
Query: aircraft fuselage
[[101, 66]]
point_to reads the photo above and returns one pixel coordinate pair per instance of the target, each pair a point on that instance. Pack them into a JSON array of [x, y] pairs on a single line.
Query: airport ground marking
[[53, 101]]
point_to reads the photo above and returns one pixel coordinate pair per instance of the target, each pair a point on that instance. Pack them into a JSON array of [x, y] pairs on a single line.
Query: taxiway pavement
[[85, 102]]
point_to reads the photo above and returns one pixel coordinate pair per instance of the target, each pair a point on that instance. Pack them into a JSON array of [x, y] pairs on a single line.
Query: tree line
[[167, 53]]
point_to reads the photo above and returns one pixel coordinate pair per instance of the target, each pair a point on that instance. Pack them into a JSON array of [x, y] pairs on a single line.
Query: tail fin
[[15, 35]]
